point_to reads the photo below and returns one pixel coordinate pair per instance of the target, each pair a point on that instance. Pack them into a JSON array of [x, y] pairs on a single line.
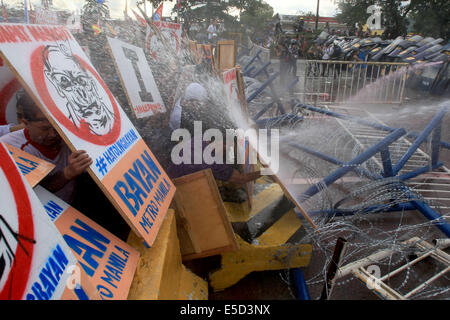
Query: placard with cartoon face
[[56, 72], [137, 78], [170, 31]]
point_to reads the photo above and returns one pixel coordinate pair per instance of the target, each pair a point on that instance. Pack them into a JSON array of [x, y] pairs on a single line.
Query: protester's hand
[[79, 161]]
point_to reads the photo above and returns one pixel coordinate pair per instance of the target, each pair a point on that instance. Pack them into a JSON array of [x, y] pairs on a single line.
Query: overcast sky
[[327, 7]]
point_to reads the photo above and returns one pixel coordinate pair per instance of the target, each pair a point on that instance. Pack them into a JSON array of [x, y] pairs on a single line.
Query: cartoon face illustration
[[7, 249], [171, 36], [85, 106], [9, 241]]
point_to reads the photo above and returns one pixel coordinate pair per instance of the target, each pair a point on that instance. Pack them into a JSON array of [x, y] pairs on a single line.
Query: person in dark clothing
[[336, 56], [292, 57], [282, 52], [278, 29], [197, 107], [299, 26]]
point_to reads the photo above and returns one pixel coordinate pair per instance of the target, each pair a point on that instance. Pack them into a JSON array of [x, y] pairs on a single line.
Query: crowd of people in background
[[289, 49]]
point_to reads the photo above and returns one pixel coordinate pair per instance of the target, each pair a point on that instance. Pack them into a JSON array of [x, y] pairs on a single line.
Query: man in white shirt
[[327, 54], [40, 139], [194, 91], [212, 30]]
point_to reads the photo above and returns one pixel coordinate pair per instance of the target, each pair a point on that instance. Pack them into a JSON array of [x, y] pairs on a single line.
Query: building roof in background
[[293, 18]]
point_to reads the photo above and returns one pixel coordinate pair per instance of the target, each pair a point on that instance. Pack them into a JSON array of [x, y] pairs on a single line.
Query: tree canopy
[[431, 18], [427, 17], [93, 12], [253, 13]]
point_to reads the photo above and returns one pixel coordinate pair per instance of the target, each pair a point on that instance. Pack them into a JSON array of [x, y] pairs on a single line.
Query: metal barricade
[[335, 82], [264, 54]]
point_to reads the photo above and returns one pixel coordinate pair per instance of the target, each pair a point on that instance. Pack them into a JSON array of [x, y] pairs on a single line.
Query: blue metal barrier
[[433, 128], [364, 122], [339, 173]]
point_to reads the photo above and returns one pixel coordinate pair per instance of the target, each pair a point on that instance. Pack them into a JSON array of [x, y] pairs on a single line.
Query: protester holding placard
[[195, 107], [40, 139]]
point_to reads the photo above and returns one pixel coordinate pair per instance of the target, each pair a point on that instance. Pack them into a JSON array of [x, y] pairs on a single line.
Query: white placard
[[137, 78], [374, 21], [34, 258]]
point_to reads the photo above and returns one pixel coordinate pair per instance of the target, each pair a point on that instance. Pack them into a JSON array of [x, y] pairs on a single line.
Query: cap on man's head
[[195, 91]]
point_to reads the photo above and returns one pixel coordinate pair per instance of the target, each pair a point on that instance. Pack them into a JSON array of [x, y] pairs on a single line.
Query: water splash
[[365, 232]]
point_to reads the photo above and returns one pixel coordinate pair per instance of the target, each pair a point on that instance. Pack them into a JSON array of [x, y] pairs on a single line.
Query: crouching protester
[[69, 180], [221, 171], [196, 106], [40, 139]]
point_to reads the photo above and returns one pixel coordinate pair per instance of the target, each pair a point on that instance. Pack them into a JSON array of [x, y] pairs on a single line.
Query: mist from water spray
[[365, 232], [388, 82]]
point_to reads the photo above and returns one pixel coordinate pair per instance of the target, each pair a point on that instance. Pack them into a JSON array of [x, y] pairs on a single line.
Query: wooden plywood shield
[[57, 74], [226, 54], [202, 221], [205, 55], [235, 92]]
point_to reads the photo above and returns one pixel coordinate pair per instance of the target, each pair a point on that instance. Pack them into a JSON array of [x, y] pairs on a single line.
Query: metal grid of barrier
[[433, 186], [335, 82]]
